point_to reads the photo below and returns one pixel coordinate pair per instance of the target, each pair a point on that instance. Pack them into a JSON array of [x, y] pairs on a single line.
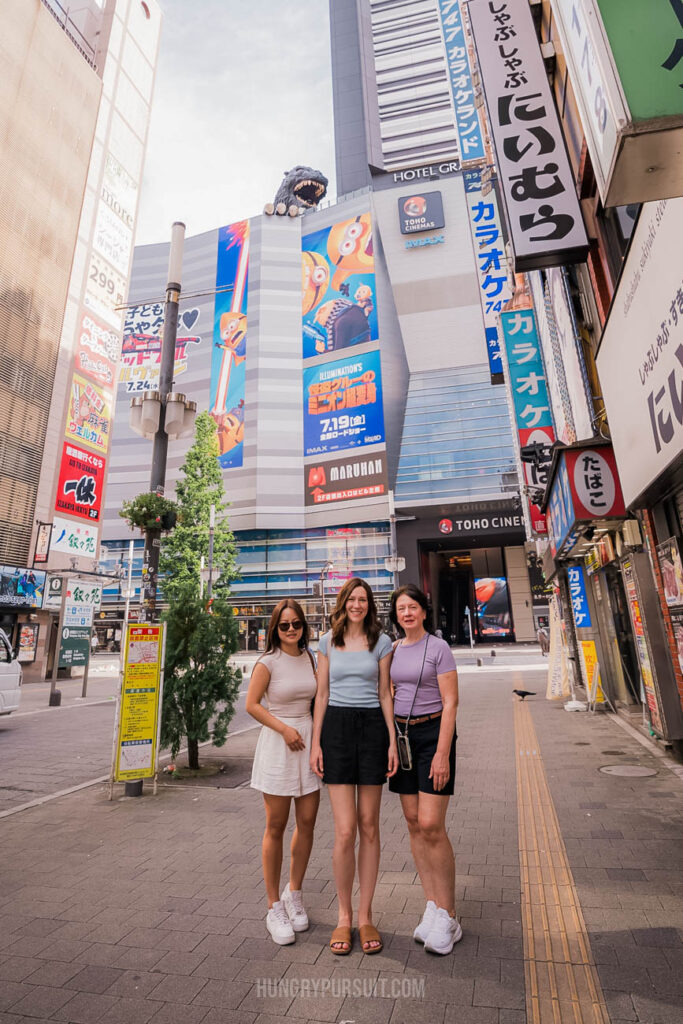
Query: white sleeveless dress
[[277, 769]]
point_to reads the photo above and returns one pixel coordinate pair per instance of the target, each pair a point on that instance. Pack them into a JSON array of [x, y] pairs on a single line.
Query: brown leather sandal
[[368, 933], [341, 934]]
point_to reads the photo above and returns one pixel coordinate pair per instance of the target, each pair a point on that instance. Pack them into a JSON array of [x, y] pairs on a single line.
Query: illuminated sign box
[[625, 60], [585, 489], [420, 212]]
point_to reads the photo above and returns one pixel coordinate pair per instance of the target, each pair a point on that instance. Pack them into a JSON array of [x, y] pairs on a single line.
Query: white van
[[10, 677]]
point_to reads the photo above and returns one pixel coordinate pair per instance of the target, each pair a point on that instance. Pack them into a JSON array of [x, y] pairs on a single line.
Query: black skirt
[[355, 746]]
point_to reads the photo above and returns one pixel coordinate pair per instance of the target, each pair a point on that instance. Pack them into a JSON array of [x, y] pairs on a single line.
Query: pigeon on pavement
[[524, 693]]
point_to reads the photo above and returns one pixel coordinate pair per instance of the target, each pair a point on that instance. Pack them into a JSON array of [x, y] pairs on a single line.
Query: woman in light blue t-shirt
[[353, 750]]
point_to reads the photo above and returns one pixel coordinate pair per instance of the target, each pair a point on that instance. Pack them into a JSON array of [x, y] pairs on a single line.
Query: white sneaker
[[446, 931], [294, 907], [423, 929], [278, 925]]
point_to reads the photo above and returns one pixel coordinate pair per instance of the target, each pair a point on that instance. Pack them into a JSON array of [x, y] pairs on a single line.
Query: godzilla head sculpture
[[301, 189]]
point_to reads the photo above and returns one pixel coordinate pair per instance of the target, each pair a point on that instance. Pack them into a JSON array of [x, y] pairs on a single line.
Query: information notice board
[[137, 735]]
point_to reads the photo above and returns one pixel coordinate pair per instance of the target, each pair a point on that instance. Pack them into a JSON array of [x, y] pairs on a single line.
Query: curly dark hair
[[273, 639], [415, 594], [339, 619]]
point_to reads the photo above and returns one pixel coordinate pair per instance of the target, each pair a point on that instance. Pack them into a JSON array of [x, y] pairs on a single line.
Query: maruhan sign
[[640, 361]]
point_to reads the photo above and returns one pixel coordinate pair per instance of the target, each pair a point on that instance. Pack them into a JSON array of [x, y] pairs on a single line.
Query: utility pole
[[157, 483]]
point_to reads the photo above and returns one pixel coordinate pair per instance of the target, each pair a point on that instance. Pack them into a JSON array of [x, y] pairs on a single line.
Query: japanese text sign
[[595, 483], [137, 729], [579, 597], [527, 373], [82, 599], [543, 211], [73, 538], [89, 415], [141, 353], [81, 480], [98, 350], [489, 254], [468, 126], [561, 514], [346, 479], [343, 404]]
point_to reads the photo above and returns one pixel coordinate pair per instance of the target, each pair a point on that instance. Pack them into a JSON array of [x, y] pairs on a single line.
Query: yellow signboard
[[590, 660], [138, 730]]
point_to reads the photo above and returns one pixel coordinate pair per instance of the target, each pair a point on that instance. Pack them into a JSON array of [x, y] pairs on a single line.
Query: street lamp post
[[157, 483], [157, 415]]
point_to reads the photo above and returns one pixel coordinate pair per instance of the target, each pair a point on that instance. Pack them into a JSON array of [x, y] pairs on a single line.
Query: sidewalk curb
[[105, 778]]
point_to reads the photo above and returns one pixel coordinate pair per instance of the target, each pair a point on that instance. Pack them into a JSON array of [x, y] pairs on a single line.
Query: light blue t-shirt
[[354, 675]]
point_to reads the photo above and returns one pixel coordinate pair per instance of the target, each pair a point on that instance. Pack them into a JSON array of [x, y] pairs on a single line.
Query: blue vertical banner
[[527, 373], [468, 125], [489, 255], [229, 351], [579, 597]]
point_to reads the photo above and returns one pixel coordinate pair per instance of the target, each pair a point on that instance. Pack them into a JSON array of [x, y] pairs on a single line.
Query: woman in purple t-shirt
[[425, 682]]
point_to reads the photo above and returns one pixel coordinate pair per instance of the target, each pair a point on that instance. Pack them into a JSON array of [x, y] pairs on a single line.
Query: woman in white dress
[[285, 676]]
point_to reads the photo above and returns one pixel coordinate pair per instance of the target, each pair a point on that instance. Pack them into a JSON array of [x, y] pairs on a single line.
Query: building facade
[[354, 368], [606, 322], [76, 98]]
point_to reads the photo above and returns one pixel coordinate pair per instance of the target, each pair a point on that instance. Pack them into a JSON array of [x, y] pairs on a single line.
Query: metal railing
[[73, 32]]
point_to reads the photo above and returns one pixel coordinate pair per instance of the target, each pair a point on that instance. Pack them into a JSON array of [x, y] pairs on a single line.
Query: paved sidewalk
[[152, 909]]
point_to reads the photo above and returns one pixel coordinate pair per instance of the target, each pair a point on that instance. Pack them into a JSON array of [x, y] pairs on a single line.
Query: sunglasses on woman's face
[[284, 627]]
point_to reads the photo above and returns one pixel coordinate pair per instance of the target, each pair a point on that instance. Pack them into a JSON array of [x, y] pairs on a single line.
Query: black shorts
[[423, 738], [355, 746]]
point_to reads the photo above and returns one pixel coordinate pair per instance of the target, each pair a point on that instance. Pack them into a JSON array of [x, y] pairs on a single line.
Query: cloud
[[243, 92]]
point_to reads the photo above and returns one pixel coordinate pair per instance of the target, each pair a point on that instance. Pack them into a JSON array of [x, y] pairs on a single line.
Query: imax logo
[[418, 243]]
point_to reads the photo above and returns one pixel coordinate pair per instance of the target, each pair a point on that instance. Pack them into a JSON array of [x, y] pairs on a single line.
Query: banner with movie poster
[[338, 300], [230, 342]]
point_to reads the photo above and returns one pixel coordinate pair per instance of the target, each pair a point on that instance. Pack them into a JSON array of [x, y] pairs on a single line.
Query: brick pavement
[[152, 910]]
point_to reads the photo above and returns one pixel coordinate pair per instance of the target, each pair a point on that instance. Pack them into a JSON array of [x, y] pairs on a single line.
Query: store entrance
[[467, 590]]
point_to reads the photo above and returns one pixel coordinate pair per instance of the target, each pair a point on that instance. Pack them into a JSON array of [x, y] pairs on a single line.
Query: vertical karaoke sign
[[467, 122], [533, 418], [492, 272]]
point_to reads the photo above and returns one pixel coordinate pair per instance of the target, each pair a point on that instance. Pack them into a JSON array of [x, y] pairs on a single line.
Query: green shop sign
[[646, 39], [74, 647]]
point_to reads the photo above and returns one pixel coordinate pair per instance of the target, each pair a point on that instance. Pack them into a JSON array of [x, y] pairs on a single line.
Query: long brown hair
[[273, 639], [339, 618]]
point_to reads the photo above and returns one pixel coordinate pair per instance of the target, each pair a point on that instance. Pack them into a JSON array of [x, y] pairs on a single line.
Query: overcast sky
[[243, 92]]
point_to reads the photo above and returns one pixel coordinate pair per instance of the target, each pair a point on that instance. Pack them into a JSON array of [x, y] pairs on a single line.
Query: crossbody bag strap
[[417, 687]]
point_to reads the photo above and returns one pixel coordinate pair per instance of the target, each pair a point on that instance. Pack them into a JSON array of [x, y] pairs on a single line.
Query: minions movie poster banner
[[230, 342], [343, 404], [338, 287]]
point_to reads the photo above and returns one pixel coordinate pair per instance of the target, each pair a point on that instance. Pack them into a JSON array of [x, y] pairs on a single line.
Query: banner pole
[[117, 723], [160, 709]]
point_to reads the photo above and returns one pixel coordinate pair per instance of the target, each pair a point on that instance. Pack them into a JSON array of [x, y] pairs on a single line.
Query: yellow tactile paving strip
[[562, 984]]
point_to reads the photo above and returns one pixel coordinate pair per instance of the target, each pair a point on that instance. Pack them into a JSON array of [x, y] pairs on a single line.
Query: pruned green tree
[[200, 686]]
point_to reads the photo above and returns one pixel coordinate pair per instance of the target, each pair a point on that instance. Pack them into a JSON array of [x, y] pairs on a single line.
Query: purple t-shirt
[[405, 672]]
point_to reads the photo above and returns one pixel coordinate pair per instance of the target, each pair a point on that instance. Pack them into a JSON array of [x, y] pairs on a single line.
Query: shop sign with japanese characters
[[81, 480], [420, 212], [74, 538], [343, 404], [543, 211], [586, 488], [640, 361], [468, 125], [533, 418], [625, 61], [579, 597], [82, 601], [142, 336], [350, 479], [97, 354], [492, 269]]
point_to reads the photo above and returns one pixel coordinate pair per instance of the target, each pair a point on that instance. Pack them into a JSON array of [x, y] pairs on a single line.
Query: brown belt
[[416, 721]]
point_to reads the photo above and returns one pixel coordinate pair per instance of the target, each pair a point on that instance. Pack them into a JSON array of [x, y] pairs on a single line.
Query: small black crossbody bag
[[405, 757]]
